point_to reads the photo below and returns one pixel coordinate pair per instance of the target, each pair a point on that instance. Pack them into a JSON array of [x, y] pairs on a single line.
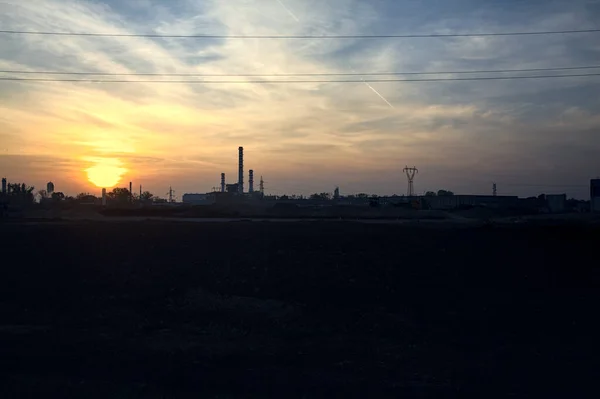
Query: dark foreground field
[[126, 310]]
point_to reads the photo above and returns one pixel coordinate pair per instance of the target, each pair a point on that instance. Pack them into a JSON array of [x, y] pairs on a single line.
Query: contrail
[[288, 11], [379, 94], [375, 91]]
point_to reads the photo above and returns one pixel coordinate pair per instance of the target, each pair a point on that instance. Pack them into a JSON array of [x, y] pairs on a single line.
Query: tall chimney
[[251, 181], [4, 185], [130, 191], [222, 182], [241, 171]]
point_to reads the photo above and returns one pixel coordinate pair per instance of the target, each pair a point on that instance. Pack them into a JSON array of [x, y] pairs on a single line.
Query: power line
[[208, 36], [300, 74], [296, 81]]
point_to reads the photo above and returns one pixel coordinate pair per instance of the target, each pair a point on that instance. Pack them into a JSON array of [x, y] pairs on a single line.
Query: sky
[[529, 136]]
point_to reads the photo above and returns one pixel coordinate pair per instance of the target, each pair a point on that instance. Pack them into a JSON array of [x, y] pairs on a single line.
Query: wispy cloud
[[186, 134]]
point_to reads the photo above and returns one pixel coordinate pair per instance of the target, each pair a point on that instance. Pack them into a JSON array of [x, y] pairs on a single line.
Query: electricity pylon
[[410, 174]]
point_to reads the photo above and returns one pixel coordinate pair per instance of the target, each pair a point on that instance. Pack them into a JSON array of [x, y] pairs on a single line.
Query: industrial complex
[[232, 193], [236, 195], [229, 191]]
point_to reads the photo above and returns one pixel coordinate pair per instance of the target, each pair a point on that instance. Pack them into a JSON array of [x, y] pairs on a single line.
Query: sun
[[106, 173]]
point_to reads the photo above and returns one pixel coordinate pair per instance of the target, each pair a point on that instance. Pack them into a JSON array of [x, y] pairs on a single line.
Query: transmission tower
[[410, 174]]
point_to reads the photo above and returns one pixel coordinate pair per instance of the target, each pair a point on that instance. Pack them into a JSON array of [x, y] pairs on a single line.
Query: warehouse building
[[457, 201], [198, 199], [595, 195]]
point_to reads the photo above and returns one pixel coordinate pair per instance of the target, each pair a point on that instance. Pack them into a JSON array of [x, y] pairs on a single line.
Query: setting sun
[[106, 173]]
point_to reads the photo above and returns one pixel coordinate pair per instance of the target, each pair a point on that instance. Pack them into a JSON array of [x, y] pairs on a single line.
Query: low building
[[232, 188], [198, 199], [556, 203], [457, 201], [595, 195]]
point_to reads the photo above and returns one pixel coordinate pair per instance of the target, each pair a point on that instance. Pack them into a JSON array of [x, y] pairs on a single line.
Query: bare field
[[303, 309]]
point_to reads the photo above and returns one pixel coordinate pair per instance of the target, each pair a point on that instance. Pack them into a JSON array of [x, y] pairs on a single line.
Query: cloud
[[187, 134]]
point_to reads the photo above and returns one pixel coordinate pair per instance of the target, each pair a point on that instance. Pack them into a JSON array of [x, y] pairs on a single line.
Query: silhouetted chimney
[[241, 170], [251, 181]]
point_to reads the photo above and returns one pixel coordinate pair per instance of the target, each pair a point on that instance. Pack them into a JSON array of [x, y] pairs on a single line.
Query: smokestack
[[4, 185], [251, 181], [103, 197], [241, 171], [130, 191], [222, 182]]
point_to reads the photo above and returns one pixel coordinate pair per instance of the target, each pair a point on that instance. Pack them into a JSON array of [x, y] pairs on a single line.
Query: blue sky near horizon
[[529, 136]]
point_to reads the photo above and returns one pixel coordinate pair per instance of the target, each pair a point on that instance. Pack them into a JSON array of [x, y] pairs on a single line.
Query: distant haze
[[530, 136]]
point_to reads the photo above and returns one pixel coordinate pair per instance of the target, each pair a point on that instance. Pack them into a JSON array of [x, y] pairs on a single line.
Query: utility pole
[[410, 174]]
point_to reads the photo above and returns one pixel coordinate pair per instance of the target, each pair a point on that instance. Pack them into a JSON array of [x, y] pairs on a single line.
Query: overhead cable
[[214, 36], [297, 81], [297, 74]]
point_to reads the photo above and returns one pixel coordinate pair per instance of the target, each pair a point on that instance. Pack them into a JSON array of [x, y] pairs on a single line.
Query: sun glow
[[106, 173]]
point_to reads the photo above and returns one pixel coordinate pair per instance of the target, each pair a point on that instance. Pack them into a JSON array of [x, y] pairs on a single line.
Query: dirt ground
[[248, 309]]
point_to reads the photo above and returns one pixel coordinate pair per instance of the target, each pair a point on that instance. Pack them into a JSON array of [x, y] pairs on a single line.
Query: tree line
[[19, 192], [123, 195], [24, 194]]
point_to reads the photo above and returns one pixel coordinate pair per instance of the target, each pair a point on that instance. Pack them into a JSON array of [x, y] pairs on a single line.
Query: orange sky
[[302, 138]]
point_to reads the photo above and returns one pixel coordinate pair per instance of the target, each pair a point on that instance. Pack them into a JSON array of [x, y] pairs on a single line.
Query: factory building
[[595, 195], [557, 203], [238, 188], [198, 199], [224, 189], [232, 188], [457, 201]]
